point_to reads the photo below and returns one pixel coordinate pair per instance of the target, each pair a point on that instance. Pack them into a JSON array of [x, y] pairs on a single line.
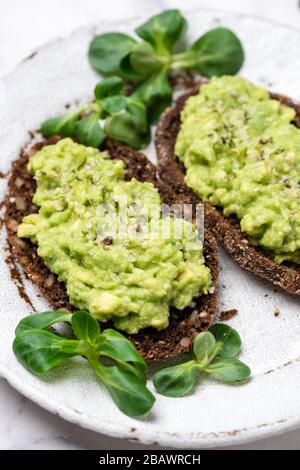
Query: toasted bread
[[152, 344], [226, 229]]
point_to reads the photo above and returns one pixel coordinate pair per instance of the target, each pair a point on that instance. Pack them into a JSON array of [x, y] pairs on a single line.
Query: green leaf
[[127, 391], [89, 131], [40, 350], [85, 327], [42, 320], [155, 92], [52, 126], [121, 127], [113, 104], [227, 369], [128, 72], [114, 345], [162, 31], [218, 52], [138, 113], [107, 50], [204, 347], [144, 60], [110, 86], [64, 125], [230, 339], [176, 381]]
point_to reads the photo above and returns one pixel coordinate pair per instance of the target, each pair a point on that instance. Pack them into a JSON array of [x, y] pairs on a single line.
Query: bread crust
[[225, 229], [152, 344]]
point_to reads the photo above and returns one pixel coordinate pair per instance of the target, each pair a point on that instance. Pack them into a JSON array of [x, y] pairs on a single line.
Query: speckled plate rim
[[201, 440]]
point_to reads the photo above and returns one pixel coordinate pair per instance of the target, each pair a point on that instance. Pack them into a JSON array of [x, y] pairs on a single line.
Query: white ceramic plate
[[216, 414]]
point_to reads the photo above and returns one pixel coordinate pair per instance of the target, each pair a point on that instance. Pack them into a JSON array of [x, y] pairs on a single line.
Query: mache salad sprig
[[116, 363], [145, 62]]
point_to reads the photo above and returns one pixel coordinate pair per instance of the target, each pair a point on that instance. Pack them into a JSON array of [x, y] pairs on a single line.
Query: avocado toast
[[243, 248], [153, 344]]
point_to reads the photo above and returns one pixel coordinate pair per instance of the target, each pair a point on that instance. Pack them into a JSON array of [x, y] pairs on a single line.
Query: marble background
[[25, 25]]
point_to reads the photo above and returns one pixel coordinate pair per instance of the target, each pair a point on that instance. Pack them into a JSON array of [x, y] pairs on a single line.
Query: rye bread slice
[[152, 344], [226, 230]]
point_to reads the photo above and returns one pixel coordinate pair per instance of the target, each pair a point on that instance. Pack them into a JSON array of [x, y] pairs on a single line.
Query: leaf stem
[[183, 60]]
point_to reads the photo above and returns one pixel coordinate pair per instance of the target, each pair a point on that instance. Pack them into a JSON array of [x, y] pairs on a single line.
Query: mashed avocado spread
[[132, 280], [241, 151]]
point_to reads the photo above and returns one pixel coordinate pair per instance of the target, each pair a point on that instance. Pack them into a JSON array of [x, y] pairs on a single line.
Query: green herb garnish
[[214, 352], [116, 362], [113, 358], [125, 118], [147, 63]]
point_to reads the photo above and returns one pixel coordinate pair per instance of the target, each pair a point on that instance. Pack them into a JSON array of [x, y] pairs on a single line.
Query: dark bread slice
[[226, 230], [153, 344]]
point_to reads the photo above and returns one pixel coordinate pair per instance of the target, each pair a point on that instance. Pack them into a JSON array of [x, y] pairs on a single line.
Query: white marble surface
[[24, 25]]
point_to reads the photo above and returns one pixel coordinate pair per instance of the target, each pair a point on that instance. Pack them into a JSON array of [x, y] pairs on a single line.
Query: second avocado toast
[[227, 229]]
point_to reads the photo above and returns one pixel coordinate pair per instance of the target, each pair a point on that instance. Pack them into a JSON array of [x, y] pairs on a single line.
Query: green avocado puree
[[241, 152], [131, 280]]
